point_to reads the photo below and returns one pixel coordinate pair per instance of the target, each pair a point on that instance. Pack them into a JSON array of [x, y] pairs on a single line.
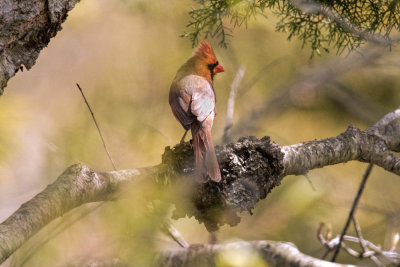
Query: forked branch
[[250, 169]]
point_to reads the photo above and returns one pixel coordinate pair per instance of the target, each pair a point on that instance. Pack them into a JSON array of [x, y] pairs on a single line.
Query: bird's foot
[[183, 138]]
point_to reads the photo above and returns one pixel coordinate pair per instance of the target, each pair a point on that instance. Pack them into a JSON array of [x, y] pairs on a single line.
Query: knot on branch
[[375, 145], [366, 144], [250, 168]]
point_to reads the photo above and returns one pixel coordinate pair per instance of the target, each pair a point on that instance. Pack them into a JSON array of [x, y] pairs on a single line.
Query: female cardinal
[[192, 100]]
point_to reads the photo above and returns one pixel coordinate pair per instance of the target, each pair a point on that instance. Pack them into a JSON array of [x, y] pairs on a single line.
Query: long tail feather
[[205, 159]]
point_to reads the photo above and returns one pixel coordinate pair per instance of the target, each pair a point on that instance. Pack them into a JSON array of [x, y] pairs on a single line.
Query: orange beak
[[218, 69]]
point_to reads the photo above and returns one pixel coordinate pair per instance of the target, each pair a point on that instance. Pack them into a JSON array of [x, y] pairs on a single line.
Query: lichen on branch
[[250, 168]]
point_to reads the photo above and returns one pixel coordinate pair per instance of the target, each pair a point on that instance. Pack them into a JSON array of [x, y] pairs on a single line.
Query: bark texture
[[250, 168], [374, 145], [274, 253], [280, 254], [76, 186], [26, 28]]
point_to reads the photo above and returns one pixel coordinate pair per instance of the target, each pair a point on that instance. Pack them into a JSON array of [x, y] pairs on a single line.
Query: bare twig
[[324, 239], [350, 251], [310, 182], [97, 126], [172, 232], [376, 249], [359, 235], [166, 227], [395, 241], [231, 105], [352, 210], [377, 261], [372, 251], [246, 158]]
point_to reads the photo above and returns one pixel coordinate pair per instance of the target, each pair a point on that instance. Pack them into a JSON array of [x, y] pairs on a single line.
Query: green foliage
[[322, 24]]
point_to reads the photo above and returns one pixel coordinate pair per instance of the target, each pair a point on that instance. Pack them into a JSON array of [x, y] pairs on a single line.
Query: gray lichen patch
[[250, 168]]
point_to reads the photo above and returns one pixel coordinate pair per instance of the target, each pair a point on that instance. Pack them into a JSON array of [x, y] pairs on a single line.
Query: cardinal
[[192, 99]]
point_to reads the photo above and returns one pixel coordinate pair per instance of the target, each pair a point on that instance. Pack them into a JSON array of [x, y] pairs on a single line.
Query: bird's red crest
[[205, 51]]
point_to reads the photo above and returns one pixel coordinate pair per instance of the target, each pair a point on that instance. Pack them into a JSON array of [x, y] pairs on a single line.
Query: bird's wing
[[180, 104], [203, 98]]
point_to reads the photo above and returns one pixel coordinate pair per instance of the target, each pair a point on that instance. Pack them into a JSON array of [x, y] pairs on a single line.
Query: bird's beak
[[218, 69]]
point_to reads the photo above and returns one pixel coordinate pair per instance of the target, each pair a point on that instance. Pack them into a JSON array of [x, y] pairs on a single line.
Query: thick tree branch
[[76, 186], [250, 169], [354, 144], [26, 28], [280, 254], [274, 253]]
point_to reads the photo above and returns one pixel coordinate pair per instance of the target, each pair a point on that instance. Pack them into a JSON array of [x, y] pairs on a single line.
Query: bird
[[192, 100]]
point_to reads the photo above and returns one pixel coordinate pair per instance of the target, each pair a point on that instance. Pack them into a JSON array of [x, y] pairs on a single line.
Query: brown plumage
[[192, 100]]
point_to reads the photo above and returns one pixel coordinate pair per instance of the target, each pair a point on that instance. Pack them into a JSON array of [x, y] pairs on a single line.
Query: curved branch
[[274, 253], [26, 28], [76, 186], [250, 168]]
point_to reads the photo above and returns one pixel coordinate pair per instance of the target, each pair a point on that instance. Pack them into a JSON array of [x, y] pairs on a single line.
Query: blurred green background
[[124, 54]]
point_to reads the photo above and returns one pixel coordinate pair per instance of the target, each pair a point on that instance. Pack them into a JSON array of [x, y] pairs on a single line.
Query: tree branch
[[231, 105], [26, 28], [280, 254], [250, 169], [76, 186], [310, 7]]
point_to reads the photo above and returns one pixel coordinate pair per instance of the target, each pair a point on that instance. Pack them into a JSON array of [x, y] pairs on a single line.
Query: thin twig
[[239, 91], [97, 126], [359, 235], [231, 105], [172, 232], [168, 229], [371, 251], [166, 226], [377, 261], [353, 208], [310, 182], [324, 239]]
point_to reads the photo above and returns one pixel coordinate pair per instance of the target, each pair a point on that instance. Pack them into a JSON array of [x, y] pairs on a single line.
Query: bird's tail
[[204, 153]]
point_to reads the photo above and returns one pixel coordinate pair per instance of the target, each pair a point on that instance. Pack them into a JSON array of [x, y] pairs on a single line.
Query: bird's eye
[[212, 66]]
